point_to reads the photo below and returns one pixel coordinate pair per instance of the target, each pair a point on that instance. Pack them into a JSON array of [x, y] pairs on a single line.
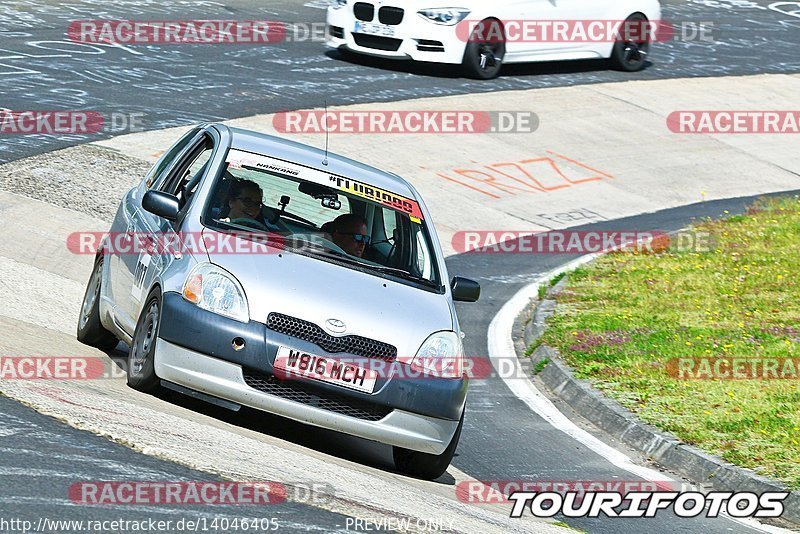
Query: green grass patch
[[540, 365], [557, 278], [533, 346], [564, 525], [543, 291], [621, 320]]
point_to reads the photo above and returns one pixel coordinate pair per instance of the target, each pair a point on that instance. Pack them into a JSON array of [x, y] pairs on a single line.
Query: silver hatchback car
[[247, 270]]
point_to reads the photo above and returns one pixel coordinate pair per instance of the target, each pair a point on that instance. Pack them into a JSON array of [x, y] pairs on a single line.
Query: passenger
[[349, 232], [245, 199]]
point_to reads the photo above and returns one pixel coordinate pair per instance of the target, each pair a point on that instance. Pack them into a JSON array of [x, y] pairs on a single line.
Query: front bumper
[[194, 350], [414, 38]]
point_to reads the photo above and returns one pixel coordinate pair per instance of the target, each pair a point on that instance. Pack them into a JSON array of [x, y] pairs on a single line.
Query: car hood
[[316, 290], [415, 5]]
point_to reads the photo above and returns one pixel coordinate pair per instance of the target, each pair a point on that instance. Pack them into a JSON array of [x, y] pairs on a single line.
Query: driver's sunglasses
[[249, 202], [358, 237]]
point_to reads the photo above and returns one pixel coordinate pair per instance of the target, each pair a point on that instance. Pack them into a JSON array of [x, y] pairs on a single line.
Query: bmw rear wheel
[[630, 51], [485, 51]]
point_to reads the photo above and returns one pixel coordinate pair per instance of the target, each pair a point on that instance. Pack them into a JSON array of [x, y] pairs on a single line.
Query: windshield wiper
[[405, 275], [320, 250], [384, 269]]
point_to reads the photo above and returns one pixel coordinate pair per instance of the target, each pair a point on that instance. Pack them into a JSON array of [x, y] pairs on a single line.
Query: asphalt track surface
[[178, 85], [42, 457], [172, 85]]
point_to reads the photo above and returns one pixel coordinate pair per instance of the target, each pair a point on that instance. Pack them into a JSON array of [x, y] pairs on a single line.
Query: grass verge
[[626, 319]]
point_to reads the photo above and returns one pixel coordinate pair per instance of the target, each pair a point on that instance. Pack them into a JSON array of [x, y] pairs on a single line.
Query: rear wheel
[[90, 330], [426, 466], [141, 359], [485, 51], [630, 51]]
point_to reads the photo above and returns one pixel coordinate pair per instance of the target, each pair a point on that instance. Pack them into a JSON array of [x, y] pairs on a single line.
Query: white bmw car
[[482, 36]]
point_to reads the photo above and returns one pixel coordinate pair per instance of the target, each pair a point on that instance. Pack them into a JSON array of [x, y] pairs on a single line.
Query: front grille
[[336, 31], [390, 15], [376, 42], [364, 11], [308, 331], [293, 391]]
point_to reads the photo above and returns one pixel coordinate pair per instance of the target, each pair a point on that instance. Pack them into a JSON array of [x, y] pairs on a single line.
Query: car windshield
[[328, 217]]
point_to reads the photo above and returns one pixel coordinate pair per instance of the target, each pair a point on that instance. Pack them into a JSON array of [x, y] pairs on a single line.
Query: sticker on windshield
[[238, 159], [387, 198]]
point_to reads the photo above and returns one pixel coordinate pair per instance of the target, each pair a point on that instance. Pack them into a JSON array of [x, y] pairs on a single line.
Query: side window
[[196, 171], [186, 173], [156, 174], [422, 260], [389, 223]]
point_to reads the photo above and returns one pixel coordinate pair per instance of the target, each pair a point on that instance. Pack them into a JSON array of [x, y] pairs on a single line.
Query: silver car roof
[[270, 145]]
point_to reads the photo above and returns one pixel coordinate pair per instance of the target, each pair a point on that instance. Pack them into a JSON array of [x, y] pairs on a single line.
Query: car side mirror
[[465, 290], [161, 204]]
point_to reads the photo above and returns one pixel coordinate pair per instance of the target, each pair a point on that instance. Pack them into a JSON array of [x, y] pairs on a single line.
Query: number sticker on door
[[139, 275]]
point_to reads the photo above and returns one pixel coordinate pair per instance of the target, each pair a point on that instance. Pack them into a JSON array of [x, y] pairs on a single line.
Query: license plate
[[296, 363], [374, 28]]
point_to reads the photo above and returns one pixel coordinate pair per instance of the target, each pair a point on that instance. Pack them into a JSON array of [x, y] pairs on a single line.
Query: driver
[[245, 199], [349, 232]]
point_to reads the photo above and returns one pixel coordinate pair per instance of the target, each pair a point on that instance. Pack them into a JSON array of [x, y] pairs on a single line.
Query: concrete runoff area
[[603, 149], [615, 134]]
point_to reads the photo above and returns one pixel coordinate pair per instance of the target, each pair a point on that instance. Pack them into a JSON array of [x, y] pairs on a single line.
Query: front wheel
[[90, 330], [631, 50], [486, 48], [141, 359], [426, 466]]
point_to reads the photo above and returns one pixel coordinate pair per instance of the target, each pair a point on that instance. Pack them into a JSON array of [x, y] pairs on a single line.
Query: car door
[[551, 12], [124, 257], [181, 180], [585, 12]]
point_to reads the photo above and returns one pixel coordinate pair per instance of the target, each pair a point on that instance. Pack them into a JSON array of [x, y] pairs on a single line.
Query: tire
[[90, 330], [483, 56], [631, 55], [141, 370], [426, 466]]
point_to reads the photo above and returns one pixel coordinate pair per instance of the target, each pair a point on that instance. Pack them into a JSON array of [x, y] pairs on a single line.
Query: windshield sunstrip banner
[[239, 158]]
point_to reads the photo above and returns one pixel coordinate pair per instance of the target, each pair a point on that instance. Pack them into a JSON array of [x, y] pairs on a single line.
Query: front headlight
[[216, 290], [441, 355], [449, 16], [337, 4]]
